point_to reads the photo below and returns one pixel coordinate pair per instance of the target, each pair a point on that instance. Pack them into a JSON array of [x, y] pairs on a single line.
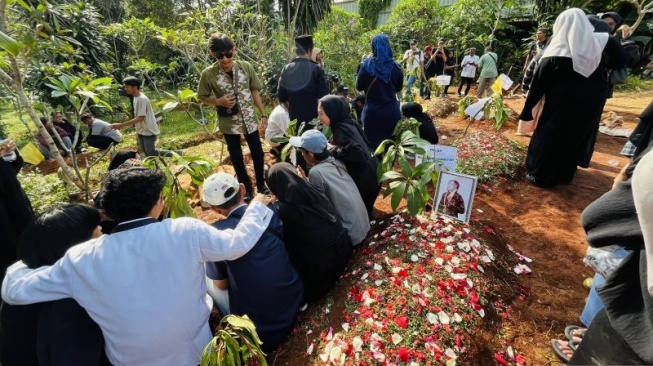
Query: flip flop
[[556, 348], [569, 333]]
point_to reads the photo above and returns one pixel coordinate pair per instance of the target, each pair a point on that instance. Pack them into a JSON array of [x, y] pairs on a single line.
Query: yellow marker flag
[[496, 87]]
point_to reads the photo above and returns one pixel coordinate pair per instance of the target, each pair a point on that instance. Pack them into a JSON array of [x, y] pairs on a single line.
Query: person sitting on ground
[[317, 243], [427, 128], [71, 130], [101, 135], [332, 177], [278, 123], [57, 332], [351, 147], [145, 283], [64, 144], [264, 272]]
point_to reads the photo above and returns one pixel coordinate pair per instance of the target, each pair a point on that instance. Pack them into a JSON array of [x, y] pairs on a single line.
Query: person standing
[[302, 83], [233, 87], [467, 75], [489, 72], [144, 120], [571, 62], [414, 59], [101, 135], [380, 77], [15, 209], [536, 47]]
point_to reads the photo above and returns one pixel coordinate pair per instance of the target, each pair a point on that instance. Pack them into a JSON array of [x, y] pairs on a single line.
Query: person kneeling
[[264, 273], [101, 135], [332, 177]]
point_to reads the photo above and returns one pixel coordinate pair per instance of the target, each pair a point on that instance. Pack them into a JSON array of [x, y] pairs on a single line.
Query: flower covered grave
[[418, 290]]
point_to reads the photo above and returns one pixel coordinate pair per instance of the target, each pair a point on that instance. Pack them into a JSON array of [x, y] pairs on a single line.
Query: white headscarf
[[574, 37], [643, 196]]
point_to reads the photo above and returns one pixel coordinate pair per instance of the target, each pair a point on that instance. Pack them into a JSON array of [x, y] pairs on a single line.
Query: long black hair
[[53, 232]]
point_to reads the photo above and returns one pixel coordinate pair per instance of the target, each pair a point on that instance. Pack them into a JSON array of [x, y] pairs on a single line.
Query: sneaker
[[263, 190]]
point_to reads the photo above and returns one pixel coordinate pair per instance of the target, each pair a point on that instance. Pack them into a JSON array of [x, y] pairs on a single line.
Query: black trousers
[[100, 142], [465, 80], [236, 154]]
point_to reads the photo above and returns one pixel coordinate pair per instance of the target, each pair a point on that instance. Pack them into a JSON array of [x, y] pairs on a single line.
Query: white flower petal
[[396, 339], [432, 318]]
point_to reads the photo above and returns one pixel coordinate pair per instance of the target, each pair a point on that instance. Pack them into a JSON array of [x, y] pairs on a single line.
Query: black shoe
[[537, 182]]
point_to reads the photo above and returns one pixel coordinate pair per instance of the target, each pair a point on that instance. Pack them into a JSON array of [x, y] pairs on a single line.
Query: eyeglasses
[[220, 56]]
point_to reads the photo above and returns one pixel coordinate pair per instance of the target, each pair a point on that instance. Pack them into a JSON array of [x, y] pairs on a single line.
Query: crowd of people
[[127, 287]]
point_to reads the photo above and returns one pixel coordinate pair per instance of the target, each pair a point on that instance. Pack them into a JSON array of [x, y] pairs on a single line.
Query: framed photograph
[[455, 195]]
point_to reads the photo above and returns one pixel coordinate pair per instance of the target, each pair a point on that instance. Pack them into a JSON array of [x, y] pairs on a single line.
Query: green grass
[[635, 83]]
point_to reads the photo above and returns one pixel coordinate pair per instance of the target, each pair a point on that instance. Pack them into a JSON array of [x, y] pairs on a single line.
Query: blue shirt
[[262, 284]]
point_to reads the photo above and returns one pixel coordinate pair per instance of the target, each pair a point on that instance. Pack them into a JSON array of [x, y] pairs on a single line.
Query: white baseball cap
[[215, 187]]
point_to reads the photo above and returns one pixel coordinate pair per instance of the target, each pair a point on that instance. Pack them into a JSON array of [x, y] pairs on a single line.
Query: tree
[[15, 60], [419, 19], [642, 7], [303, 16], [343, 34]]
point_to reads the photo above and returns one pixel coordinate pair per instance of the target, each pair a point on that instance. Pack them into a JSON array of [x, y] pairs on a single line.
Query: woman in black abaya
[[317, 243], [352, 147], [574, 86]]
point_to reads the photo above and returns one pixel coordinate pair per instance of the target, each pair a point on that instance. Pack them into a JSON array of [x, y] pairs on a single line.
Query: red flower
[[500, 359], [403, 354], [402, 321]]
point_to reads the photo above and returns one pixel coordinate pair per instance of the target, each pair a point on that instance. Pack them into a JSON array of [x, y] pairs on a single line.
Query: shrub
[[488, 155]]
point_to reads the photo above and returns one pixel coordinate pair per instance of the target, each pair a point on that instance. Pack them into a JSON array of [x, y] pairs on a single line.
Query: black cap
[[305, 42], [342, 88], [413, 41]]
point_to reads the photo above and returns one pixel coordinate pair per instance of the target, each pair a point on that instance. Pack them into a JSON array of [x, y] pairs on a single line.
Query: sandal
[[571, 329], [557, 348]]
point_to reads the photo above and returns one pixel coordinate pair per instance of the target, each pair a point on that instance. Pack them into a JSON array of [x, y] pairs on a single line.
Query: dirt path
[[544, 224]]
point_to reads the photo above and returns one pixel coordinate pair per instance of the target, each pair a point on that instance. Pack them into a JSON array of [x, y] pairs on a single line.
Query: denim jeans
[[409, 84], [594, 303], [147, 144]]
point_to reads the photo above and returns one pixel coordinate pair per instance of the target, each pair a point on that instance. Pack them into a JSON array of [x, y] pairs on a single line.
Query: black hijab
[[339, 112], [298, 199]]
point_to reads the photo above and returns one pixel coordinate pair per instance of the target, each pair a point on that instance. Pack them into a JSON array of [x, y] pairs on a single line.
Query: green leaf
[[397, 195], [280, 139], [58, 93], [9, 44], [381, 148], [415, 201], [406, 170], [187, 94], [390, 175]]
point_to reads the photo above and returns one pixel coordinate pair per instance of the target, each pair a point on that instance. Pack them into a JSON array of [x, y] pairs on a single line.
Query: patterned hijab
[[381, 63]]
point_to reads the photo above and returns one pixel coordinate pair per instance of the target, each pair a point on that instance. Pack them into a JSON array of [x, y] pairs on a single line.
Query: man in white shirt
[[144, 120], [101, 135], [143, 284], [277, 127], [414, 59], [469, 65]]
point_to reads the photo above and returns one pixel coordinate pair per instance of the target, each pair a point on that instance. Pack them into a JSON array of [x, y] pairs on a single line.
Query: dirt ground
[[543, 224]]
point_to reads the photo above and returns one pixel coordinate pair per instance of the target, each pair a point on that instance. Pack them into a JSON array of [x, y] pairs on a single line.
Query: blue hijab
[[381, 63]]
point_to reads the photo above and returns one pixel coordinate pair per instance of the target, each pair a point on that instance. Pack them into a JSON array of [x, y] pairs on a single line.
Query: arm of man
[[133, 121], [23, 285], [220, 245], [256, 96], [320, 79]]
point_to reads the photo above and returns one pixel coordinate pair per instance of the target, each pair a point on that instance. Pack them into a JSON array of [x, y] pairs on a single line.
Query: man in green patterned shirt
[[233, 88]]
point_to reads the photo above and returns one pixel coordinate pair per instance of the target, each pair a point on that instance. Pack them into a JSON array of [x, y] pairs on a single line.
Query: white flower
[[414, 258], [377, 267], [432, 318], [450, 353], [396, 339], [458, 276], [457, 318], [357, 343], [444, 318], [345, 326], [310, 349], [378, 282]]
